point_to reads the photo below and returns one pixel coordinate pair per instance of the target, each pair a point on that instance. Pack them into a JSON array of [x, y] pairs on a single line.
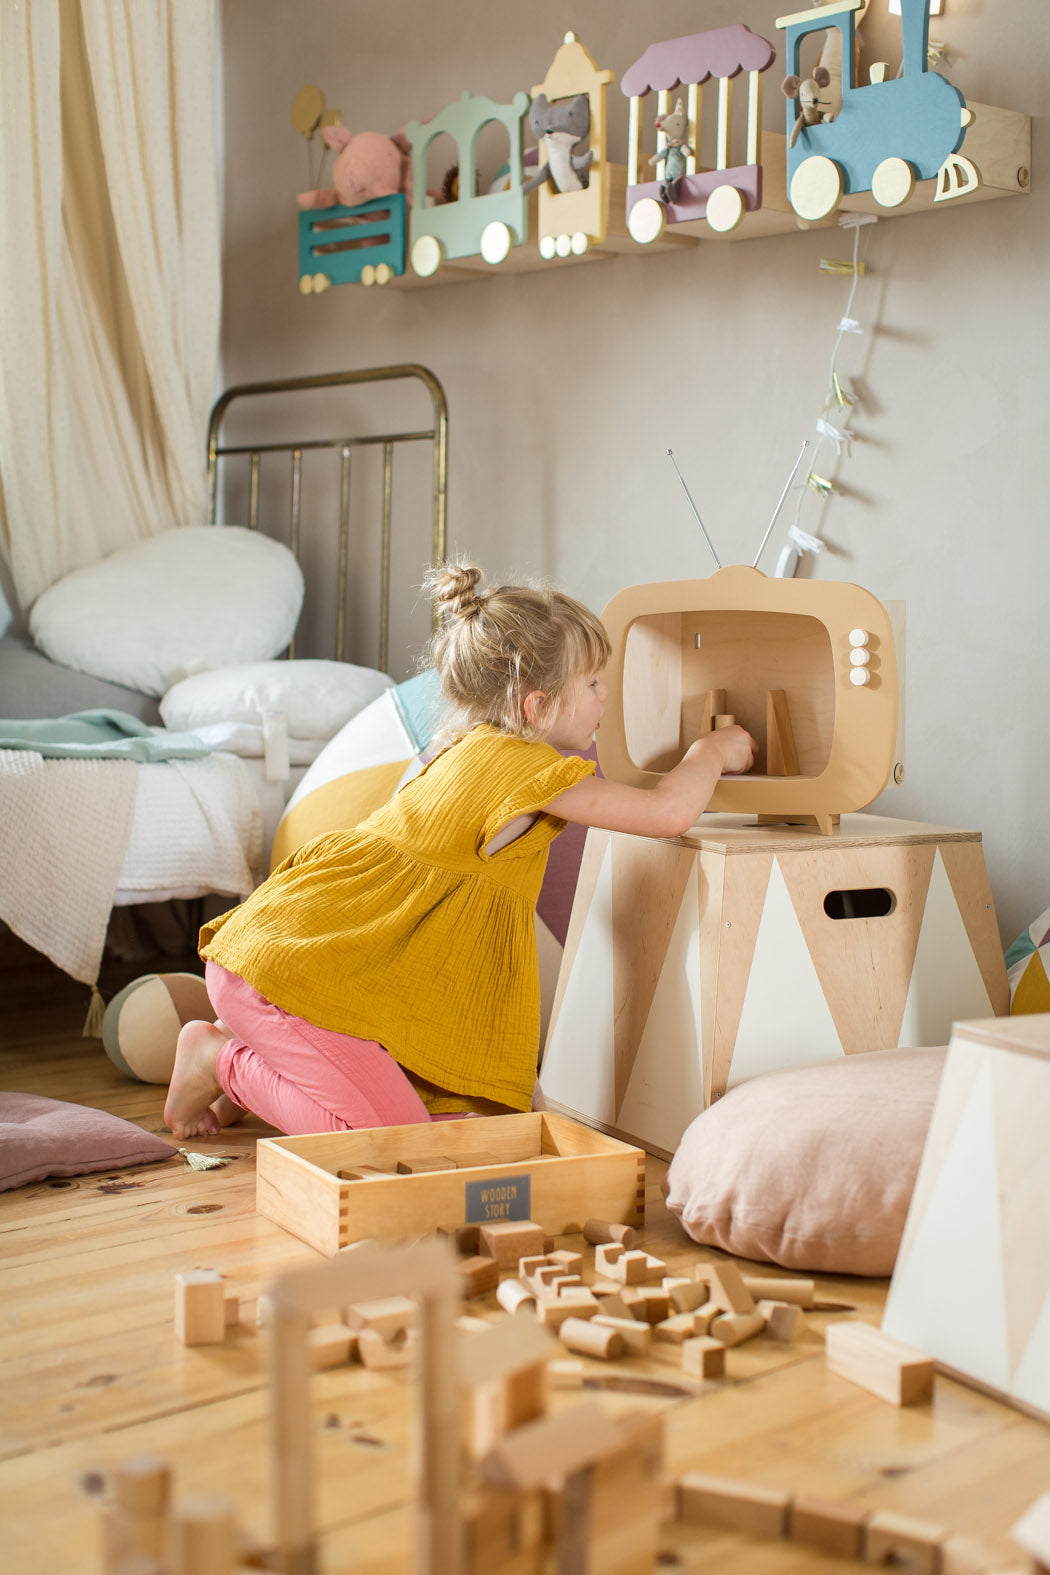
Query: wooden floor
[[90, 1371]]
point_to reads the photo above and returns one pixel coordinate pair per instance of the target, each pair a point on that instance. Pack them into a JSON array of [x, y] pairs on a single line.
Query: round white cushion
[[182, 601]]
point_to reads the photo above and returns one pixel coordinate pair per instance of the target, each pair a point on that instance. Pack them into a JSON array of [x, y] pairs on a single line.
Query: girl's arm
[[677, 800]]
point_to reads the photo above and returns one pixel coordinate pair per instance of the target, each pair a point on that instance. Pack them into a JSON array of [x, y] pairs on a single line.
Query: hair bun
[[456, 588]]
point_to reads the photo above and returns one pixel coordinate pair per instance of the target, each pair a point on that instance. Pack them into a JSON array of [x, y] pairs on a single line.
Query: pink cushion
[[811, 1168], [46, 1137]]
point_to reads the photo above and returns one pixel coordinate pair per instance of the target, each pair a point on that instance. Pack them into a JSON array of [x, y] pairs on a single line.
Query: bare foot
[[194, 1086], [226, 1112]]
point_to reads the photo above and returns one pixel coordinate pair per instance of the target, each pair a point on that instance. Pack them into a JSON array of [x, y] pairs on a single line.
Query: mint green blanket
[[100, 735]]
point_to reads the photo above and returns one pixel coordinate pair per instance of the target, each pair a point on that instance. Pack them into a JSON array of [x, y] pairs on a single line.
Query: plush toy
[[367, 165], [562, 129], [811, 107], [674, 155]]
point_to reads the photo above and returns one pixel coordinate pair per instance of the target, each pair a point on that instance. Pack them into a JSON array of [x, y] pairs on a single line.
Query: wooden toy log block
[[767, 1288], [514, 1297], [723, 719], [331, 1345], [714, 705], [637, 1337], [478, 1275], [509, 1240], [736, 1506], [830, 1527], [134, 1522], [421, 1167], [595, 1232], [903, 1542], [574, 1304], [202, 1537], [388, 1316], [588, 1339], [735, 1328], [783, 1320], [781, 754], [676, 1329], [886, 1367], [200, 1307], [704, 1357], [380, 1354], [728, 1289]]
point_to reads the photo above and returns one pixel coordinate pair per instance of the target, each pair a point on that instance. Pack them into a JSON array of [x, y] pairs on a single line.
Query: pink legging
[[301, 1078]]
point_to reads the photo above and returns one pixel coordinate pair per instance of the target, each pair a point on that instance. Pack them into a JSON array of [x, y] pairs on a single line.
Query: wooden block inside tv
[[334, 1188], [809, 667]]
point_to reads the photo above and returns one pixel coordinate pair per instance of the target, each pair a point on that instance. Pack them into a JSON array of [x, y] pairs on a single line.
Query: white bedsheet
[[197, 828]]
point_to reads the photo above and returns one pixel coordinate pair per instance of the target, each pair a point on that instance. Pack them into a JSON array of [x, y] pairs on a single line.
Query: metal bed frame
[[436, 435]]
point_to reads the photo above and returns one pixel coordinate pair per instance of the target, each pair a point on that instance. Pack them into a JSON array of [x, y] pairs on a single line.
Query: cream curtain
[[109, 276]]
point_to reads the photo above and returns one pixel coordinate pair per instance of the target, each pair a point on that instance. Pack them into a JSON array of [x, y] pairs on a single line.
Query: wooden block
[[728, 1289], [231, 1309], [571, 1262], [478, 1275], [566, 1374], [514, 1297], [768, 1288], [510, 1240], [647, 1301], [465, 1238], [886, 1367], [704, 1357], [781, 754], [832, 1527], [598, 1231], [375, 1352], [589, 1339], [783, 1320], [714, 705], [134, 1522], [473, 1159], [704, 1317], [735, 1328], [637, 1337], [686, 1295], [612, 1306], [200, 1307], [903, 1542], [575, 1304], [676, 1329], [331, 1345], [386, 1315], [628, 1266], [532, 1263], [737, 1506], [964, 1555], [546, 1283], [202, 1537], [365, 1173], [422, 1167]]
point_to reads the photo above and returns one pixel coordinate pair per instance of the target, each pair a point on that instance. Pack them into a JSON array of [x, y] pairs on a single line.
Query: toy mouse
[[562, 129], [674, 155], [367, 165], [811, 108]]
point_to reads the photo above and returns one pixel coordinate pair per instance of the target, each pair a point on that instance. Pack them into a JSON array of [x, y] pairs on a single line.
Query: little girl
[[388, 974]]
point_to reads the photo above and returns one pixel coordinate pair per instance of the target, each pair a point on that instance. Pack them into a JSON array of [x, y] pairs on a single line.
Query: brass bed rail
[[436, 435]]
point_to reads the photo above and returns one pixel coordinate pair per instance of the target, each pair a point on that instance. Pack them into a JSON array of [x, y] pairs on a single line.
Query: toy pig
[[367, 165]]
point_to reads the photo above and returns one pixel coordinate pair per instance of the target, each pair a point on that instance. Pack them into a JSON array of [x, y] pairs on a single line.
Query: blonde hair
[[495, 646]]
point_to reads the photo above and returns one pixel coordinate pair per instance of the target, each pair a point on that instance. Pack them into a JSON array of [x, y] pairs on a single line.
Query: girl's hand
[[739, 749]]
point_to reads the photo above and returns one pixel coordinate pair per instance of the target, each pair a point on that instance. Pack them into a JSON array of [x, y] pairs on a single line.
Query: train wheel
[[892, 183], [368, 274], [816, 187], [725, 209], [647, 221], [580, 243], [495, 242], [427, 255], [547, 247], [384, 273]]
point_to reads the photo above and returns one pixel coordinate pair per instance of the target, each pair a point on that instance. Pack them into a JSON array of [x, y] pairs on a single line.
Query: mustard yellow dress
[[405, 931]]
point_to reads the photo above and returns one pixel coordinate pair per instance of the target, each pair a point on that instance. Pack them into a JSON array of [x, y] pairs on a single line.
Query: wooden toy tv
[[808, 667]]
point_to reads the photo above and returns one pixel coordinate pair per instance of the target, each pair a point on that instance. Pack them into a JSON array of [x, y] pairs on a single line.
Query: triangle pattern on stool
[[946, 983], [665, 1090], [578, 1068], [946, 1297], [785, 1019], [1021, 1088]]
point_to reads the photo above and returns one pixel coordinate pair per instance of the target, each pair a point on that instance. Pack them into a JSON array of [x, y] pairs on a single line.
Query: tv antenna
[[769, 527]]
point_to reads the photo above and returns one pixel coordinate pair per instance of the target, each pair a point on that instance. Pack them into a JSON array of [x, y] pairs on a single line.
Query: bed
[[217, 661]]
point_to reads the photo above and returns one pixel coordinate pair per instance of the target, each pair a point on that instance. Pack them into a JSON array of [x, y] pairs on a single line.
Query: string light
[[832, 423]]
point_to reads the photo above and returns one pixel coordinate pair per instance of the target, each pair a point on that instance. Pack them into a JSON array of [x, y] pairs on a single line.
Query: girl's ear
[[533, 706]]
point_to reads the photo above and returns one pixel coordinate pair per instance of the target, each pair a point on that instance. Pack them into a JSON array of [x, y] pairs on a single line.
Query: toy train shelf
[[712, 170], [808, 667]]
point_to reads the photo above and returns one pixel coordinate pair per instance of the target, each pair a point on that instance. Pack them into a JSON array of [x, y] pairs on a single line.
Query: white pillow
[[201, 597], [314, 698]]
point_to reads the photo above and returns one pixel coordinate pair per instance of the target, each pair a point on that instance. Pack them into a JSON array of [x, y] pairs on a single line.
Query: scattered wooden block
[[734, 1328], [598, 1231], [769, 1288], [514, 1297], [477, 1158], [200, 1307], [637, 1337], [612, 1306], [737, 1506], [647, 1301], [532, 1263], [628, 1266], [365, 1173], [574, 1304], [377, 1353], [886, 1367], [704, 1317], [565, 1374], [686, 1295], [465, 1238], [478, 1275], [202, 1536], [231, 1309], [783, 1320], [423, 1167], [903, 1542], [546, 1282], [677, 1329], [831, 1527], [704, 1357], [571, 1262], [134, 1521], [509, 1240], [388, 1316], [728, 1288], [331, 1345], [589, 1339]]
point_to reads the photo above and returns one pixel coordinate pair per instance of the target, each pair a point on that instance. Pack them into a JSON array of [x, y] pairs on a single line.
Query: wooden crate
[[551, 1170]]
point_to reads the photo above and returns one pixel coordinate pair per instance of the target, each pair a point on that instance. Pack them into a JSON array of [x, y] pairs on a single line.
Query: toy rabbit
[[674, 155]]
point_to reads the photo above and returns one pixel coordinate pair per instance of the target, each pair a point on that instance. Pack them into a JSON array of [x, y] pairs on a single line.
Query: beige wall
[[566, 387]]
